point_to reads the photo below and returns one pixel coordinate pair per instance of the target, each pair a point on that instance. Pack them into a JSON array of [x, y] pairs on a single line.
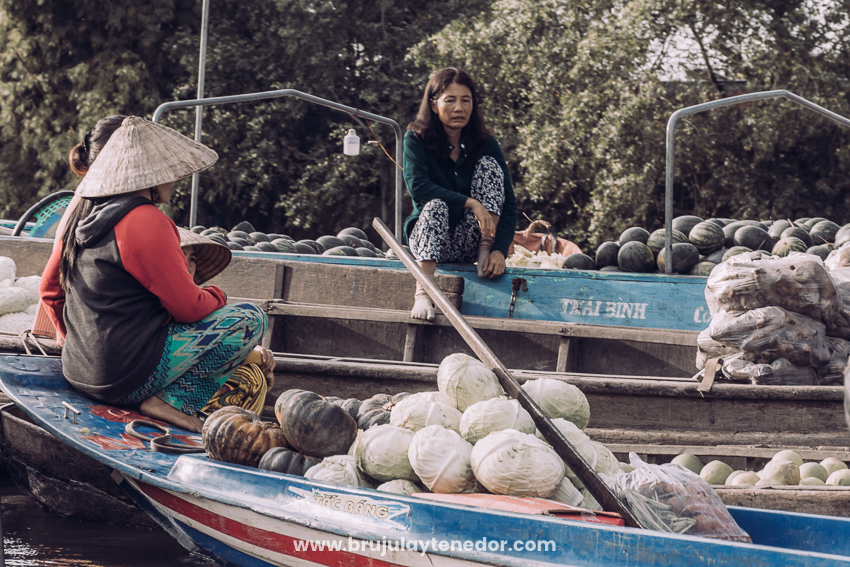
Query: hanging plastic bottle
[[351, 144]]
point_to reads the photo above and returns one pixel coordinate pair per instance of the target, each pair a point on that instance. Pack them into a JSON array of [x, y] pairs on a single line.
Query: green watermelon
[[334, 252], [198, 229], [329, 241], [244, 226], [702, 269], [345, 249], [352, 231], [658, 238], [718, 222], [636, 256], [822, 251], [685, 257], [303, 248], [753, 237], [707, 237], [610, 269], [734, 251], [284, 245], [234, 246], [579, 262], [685, 223], [798, 232], [606, 254], [634, 234], [800, 221], [260, 237], [716, 257], [787, 245], [730, 229], [775, 230], [266, 247], [813, 221], [824, 232]]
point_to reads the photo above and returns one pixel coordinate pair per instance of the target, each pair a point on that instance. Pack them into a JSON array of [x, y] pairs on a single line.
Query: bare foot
[[156, 408]]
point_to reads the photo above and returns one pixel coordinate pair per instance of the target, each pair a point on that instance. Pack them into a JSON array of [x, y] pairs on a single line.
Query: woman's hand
[[485, 220], [267, 365], [494, 265]]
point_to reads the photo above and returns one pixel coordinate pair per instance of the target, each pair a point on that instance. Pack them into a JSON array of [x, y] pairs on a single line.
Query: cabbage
[[559, 399], [497, 414], [517, 464], [30, 284], [13, 300], [440, 457], [464, 380], [583, 445], [606, 462], [568, 494], [399, 486], [590, 502], [16, 323], [338, 468], [419, 410], [381, 452], [8, 269]]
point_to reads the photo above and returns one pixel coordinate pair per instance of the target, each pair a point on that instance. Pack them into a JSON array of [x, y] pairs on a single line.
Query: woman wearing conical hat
[[138, 331]]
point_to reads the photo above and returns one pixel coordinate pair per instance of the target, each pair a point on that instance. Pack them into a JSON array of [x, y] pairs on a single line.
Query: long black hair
[[80, 158], [427, 125]]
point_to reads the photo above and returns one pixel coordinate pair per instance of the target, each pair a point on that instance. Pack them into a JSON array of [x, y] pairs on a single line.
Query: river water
[[33, 537]]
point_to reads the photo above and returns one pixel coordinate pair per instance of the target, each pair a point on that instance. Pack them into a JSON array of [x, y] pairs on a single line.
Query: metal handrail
[[671, 127], [252, 97]]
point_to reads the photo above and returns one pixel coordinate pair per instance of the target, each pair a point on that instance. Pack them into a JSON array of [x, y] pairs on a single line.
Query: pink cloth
[[532, 241]]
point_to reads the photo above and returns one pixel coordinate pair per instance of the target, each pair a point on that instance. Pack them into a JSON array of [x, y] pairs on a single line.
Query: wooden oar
[[595, 485]]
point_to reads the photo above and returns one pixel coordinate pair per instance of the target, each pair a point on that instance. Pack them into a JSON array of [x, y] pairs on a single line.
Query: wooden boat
[[244, 516]]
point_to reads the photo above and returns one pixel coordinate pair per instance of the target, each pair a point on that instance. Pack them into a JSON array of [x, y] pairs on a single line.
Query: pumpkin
[[285, 460], [313, 425], [236, 435], [376, 410], [351, 405]]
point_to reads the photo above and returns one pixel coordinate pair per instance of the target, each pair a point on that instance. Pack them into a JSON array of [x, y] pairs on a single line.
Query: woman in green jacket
[[464, 209]]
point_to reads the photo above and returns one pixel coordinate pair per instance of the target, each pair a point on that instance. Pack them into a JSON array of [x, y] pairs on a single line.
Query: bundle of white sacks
[[18, 299], [469, 437]]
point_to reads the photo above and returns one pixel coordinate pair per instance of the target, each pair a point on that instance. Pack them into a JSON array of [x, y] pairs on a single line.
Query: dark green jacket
[[428, 176]]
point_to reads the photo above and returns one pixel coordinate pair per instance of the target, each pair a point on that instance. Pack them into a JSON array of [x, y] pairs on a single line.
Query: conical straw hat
[[141, 154], [210, 256]]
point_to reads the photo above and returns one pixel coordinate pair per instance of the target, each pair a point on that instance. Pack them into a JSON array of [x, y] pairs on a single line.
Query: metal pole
[[354, 112], [553, 435], [671, 150], [199, 111]]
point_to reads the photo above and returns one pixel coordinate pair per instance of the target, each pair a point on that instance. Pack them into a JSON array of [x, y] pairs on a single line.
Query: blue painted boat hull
[[250, 517], [619, 299]]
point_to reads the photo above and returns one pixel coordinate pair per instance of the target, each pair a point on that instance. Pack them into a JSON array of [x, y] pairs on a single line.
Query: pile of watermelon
[[699, 245], [348, 242]]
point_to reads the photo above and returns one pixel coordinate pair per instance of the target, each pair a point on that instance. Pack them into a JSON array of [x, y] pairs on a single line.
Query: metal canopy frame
[[671, 127], [268, 95]]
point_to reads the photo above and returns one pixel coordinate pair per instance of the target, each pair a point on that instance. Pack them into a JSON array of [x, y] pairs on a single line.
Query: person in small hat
[[139, 332], [248, 385]]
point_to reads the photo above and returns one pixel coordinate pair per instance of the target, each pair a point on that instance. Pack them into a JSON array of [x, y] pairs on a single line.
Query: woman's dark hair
[[80, 158], [427, 125], [82, 155]]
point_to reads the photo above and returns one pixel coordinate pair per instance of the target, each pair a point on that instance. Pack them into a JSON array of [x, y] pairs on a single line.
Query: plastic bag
[[799, 283], [670, 498], [838, 258], [709, 348], [769, 333], [833, 373], [780, 372]]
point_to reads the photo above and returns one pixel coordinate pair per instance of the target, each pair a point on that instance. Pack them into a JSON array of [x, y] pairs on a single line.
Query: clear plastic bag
[[833, 373], [709, 348], [798, 283], [780, 372], [769, 333], [670, 498], [839, 258]]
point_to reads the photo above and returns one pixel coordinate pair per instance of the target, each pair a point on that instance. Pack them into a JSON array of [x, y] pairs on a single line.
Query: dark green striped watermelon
[[730, 229], [813, 221], [579, 262], [802, 220], [702, 269], [610, 269], [685, 223], [707, 237], [636, 256], [798, 232], [717, 256], [775, 230], [658, 238], [822, 251], [634, 234], [824, 232], [754, 238], [787, 245], [685, 257], [606, 254], [718, 222], [734, 251]]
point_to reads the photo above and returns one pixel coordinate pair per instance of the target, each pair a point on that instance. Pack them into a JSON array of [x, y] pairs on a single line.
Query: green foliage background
[[577, 92]]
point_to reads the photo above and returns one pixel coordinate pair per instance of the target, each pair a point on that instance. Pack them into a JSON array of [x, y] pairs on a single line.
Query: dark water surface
[[33, 537]]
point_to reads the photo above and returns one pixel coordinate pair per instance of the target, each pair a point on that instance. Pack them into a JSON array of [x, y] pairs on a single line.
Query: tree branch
[[708, 68]]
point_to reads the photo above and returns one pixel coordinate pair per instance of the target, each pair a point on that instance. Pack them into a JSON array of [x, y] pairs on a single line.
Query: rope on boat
[[161, 443]]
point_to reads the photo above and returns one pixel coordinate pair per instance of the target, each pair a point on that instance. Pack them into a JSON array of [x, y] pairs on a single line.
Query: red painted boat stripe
[[255, 536]]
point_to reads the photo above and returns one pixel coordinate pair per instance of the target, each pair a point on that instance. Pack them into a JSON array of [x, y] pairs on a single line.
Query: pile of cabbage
[[470, 437], [18, 299]]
